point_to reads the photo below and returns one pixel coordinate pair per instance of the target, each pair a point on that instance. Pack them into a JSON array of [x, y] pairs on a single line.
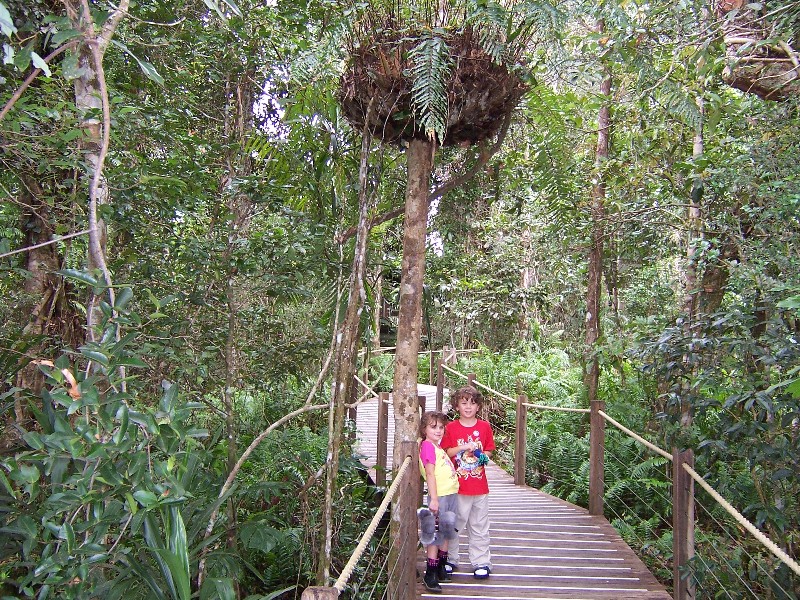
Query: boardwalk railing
[[332, 592], [683, 478]]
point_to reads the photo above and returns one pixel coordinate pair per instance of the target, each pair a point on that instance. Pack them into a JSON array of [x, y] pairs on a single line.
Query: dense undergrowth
[[111, 490]]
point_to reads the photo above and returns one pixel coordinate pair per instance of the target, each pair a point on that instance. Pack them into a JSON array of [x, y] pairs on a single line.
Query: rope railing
[[768, 543], [510, 399], [756, 533], [347, 571], [638, 438], [557, 408], [454, 372]]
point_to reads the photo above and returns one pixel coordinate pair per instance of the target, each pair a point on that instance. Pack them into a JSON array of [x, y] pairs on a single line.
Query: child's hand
[[433, 505]]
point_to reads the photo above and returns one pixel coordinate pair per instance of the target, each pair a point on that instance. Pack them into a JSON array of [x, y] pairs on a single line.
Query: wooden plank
[[546, 548], [367, 429]]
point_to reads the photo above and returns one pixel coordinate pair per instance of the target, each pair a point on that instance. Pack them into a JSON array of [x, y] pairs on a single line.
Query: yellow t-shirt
[[443, 469]]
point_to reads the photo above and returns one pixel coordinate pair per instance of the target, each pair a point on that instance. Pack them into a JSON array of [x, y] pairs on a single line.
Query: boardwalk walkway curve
[[542, 547]]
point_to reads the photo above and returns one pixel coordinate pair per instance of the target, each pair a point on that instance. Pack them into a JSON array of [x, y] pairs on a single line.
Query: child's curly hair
[[468, 392], [431, 417]]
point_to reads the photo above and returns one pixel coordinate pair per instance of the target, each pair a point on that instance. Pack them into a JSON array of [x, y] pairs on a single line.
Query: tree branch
[[29, 79]]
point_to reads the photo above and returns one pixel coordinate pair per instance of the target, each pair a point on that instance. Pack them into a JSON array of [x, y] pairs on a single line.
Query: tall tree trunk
[[237, 126], [346, 357], [419, 156], [595, 270], [692, 287], [91, 98]]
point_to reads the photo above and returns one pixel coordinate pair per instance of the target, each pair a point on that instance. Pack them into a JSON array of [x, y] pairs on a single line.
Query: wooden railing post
[[403, 554], [471, 379], [520, 447], [440, 382], [383, 436], [682, 524], [597, 432]]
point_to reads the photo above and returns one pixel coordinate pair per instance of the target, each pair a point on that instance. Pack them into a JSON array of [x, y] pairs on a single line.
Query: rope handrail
[[638, 438], [561, 408], [348, 569], [771, 546], [453, 371], [495, 392], [758, 534], [369, 389], [510, 399]]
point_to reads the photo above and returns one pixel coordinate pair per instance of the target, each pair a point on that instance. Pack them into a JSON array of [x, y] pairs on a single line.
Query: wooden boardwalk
[[542, 547], [367, 427]]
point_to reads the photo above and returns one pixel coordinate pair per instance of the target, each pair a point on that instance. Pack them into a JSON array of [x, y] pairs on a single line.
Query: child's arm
[[451, 452], [433, 493]]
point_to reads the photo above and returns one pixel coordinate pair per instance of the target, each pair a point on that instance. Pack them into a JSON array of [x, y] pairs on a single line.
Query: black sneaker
[[431, 581], [442, 573]]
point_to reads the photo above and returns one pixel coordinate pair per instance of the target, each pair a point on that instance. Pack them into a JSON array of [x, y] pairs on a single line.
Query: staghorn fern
[[431, 67]]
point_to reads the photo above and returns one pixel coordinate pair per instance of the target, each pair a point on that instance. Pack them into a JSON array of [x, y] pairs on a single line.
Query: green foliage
[[96, 501], [431, 65]]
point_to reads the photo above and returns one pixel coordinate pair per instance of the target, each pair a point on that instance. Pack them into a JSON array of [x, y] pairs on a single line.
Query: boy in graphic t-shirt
[[468, 441]]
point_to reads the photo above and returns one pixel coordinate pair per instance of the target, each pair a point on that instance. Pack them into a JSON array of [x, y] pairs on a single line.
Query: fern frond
[[431, 67]]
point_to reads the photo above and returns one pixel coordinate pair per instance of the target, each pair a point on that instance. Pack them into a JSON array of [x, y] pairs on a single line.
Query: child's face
[[467, 408], [434, 432]]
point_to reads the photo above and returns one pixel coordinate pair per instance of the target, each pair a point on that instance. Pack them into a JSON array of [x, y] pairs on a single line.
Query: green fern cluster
[[431, 65]]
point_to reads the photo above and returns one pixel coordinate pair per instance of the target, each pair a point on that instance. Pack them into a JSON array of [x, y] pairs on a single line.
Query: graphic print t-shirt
[[471, 477]]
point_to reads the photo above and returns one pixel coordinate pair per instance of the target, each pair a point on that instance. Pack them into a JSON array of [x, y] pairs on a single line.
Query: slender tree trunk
[[346, 358], [378, 295], [403, 523], [692, 291], [595, 274], [237, 124], [91, 98]]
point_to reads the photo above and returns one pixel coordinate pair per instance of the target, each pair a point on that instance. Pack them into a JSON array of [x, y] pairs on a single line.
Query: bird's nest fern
[[449, 71]]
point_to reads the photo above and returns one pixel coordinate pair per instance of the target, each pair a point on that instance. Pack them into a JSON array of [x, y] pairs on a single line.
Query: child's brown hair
[[431, 417], [468, 392]]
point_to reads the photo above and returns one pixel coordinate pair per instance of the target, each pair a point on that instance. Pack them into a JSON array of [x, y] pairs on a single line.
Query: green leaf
[[218, 589], [792, 302], [33, 439], [148, 69], [62, 36], [122, 415], [123, 298], [39, 63], [68, 534], [81, 276], [6, 22], [145, 498], [130, 361], [7, 485], [95, 356]]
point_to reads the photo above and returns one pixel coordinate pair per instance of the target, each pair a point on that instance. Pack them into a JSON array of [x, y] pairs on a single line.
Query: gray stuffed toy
[[428, 526]]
